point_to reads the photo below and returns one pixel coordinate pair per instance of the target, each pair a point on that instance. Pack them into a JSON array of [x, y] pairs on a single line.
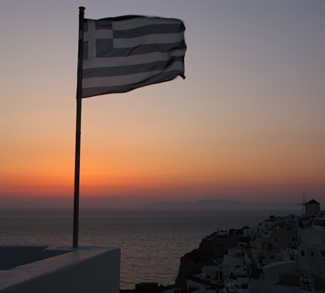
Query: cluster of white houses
[[283, 255]]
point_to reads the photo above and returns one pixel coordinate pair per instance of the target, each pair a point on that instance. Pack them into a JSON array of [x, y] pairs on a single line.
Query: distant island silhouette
[[212, 204]]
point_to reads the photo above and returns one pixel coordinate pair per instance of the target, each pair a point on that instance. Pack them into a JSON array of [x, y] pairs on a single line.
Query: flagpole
[[78, 130]]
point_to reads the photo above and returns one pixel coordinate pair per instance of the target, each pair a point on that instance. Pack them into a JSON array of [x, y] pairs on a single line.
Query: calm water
[[151, 242]]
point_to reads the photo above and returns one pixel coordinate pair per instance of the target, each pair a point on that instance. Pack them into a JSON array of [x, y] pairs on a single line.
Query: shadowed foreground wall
[[59, 269]]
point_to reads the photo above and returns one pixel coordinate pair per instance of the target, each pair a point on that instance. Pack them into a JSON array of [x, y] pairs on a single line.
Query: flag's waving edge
[[125, 53]]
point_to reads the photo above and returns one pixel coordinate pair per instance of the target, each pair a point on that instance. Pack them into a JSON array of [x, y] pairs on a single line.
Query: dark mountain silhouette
[[216, 204], [27, 205]]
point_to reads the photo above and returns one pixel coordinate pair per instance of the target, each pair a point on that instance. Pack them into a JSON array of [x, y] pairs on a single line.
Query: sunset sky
[[247, 123]]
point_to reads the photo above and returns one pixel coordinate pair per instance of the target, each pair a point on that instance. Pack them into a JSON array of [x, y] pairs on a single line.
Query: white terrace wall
[[39, 269]]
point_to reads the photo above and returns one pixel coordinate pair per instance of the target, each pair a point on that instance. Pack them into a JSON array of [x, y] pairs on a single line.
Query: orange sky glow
[[246, 124]]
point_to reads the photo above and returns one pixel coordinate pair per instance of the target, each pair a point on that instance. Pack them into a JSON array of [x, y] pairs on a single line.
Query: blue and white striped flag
[[128, 52]]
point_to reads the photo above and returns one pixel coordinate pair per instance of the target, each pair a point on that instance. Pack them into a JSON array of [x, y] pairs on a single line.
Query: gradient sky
[[246, 124]]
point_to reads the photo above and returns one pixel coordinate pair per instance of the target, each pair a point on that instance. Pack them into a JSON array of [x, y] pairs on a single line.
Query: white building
[[312, 208], [311, 253]]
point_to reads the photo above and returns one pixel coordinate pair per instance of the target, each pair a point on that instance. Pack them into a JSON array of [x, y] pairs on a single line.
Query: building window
[[244, 286], [302, 253], [312, 253]]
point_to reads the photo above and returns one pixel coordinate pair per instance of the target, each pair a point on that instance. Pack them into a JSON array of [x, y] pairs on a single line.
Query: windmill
[[304, 200]]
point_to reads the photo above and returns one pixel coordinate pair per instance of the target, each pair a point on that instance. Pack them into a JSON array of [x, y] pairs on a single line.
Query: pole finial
[[81, 11]]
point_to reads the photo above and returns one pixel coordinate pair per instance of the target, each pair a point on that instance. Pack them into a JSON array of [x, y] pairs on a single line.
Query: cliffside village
[[280, 255]]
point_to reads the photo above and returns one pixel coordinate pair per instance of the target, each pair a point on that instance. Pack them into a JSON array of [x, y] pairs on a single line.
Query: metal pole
[[78, 130]]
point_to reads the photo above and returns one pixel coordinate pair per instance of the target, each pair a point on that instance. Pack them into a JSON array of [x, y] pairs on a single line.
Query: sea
[[151, 241]]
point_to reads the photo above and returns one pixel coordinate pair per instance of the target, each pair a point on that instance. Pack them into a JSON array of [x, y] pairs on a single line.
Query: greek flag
[[124, 53]]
